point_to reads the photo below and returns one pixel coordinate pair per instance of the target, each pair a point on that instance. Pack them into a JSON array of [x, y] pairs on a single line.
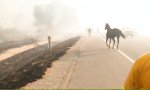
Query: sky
[[91, 13], [18, 13], [119, 13]]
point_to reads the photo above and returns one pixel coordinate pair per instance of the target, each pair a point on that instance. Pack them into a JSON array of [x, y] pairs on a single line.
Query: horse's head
[[107, 26]]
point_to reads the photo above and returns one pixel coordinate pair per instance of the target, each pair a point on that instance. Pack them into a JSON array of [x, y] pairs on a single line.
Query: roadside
[[56, 76], [30, 65]]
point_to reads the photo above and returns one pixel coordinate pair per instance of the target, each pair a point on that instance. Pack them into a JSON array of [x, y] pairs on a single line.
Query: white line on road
[[131, 60], [126, 56]]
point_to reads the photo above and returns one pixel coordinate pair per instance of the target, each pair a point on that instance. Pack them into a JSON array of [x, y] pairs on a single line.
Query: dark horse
[[111, 34]]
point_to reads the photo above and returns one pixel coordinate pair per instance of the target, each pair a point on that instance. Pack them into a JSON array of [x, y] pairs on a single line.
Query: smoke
[[56, 19], [27, 18]]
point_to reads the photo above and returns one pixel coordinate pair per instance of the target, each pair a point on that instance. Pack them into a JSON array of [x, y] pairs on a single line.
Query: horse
[[111, 34]]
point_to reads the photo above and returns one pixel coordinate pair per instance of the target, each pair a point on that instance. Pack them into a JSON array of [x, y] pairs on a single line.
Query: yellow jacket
[[139, 76]]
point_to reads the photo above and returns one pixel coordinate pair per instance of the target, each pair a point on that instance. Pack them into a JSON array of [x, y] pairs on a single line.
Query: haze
[[89, 13]]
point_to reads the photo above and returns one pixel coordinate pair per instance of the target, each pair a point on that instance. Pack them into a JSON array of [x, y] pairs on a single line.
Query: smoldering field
[[24, 23]]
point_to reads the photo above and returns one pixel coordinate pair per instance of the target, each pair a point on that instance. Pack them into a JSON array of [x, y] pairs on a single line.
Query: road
[[135, 46], [98, 67]]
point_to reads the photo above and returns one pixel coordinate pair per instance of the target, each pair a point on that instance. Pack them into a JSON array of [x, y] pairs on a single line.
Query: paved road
[[94, 65], [135, 46], [98, 67]]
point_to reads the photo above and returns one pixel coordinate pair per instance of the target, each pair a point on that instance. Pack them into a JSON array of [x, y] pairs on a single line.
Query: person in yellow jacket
[[139, 76]]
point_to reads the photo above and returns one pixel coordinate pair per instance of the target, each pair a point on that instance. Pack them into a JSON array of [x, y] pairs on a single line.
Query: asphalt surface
[[135, 46], [98, 67]]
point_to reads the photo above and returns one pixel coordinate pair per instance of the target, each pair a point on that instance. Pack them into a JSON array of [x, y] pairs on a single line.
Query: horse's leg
[[113, 43], [109, 42], [106, 41], [118, 42]]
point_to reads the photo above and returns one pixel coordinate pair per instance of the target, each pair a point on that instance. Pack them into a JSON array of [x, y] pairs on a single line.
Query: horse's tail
[[122, 35]]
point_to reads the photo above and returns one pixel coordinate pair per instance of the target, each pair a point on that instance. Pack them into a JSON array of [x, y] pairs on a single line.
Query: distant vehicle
[[129, 33]]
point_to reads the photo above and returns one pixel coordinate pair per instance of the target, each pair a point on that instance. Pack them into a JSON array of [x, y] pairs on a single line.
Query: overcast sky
[[18, 13], [132, 13], [119, 13]]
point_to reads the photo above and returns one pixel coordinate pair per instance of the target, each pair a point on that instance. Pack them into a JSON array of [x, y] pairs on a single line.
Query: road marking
[[126, 56], [131, 60]]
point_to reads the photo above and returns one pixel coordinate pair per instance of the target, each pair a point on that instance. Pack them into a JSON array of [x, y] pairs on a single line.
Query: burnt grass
[[30, 65]]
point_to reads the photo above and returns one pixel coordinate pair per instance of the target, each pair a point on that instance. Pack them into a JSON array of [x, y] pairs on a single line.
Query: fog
[[37, 19], [118, 13], [66, 18], [26, 24]]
